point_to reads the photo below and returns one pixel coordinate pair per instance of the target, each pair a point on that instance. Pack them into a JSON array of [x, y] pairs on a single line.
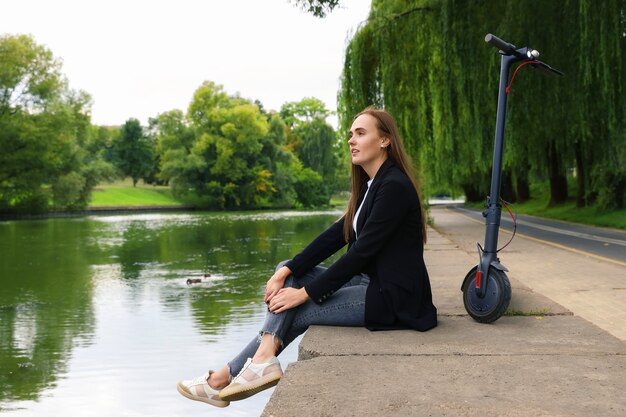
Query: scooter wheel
[[496, 300]]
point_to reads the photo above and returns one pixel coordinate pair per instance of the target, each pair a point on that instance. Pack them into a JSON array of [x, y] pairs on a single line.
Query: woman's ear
[[385, 142]]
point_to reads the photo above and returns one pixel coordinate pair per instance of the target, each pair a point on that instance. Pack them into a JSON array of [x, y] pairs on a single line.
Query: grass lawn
[[340, 200], [122, 193], [538, 206]]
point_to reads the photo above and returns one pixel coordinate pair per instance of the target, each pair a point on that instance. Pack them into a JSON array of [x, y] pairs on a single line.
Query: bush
[[67, 191], [608, 187], [311, 189], [30, 202]]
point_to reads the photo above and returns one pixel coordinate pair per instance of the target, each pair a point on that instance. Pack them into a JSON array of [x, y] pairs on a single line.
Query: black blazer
[[389, 249]]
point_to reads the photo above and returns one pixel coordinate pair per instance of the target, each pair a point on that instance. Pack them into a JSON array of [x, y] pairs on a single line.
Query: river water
[[96, 317]]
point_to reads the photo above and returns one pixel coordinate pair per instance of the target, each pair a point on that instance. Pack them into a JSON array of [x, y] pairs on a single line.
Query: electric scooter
[[486, 288]]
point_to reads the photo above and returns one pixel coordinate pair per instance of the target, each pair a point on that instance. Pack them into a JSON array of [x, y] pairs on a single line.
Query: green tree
[[273, 150], [294, 113], [100, 142], [311, 189], [30, 76], [226, 159], [174, 140], [168, 131], [227, 152], [317, 149], [442, 92], [43, 128], [133, 151], [312, 139]]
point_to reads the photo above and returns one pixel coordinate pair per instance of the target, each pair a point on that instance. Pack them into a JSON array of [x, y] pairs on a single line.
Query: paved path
[[554, 364], [584, 284], [607, 244]]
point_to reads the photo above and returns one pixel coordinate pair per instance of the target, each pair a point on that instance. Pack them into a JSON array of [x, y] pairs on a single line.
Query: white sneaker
[[199, 390], [253, 379]]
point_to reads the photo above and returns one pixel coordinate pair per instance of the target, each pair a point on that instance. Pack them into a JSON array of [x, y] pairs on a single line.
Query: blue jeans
[[346, 307]]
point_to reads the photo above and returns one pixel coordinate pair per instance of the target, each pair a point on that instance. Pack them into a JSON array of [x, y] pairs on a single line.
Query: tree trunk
[[581, 198], [522, 186], [473, 193], [523, 189], [558, 180], [620, 188], [507, 192]]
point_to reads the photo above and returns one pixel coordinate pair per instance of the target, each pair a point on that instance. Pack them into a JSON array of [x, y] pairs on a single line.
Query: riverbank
[[121, 198], [99, 210], [122, 193], [543, 358]]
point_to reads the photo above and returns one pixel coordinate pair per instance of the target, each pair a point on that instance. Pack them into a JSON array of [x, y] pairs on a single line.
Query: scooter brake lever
[[545, 68]]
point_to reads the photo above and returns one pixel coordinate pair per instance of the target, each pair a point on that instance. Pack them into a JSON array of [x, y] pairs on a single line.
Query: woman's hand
[[276, 283], [287, 298]]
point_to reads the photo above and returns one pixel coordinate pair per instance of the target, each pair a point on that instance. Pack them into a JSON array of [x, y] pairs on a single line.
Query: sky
[[139, 58]]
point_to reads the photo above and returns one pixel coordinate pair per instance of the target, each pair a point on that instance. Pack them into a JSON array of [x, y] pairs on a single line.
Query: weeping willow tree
[[426, 62], [600, 133], [575, 124]]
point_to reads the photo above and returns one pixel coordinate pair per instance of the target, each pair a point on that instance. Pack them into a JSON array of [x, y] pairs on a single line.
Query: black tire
[[496, 300]]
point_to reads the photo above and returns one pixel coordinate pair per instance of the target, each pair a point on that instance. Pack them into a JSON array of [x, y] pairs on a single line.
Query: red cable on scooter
[[514, 223], [508, 88]]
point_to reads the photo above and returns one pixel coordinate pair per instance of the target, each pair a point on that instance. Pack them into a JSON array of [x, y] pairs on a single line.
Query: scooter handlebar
[[496, 42]]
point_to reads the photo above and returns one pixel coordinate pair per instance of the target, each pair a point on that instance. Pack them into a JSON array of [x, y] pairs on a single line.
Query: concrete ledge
[[461, 336], [467, 386], [519, 366], [549, 364]]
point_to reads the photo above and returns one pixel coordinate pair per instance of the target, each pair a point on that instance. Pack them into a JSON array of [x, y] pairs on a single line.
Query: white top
[[356, 215]]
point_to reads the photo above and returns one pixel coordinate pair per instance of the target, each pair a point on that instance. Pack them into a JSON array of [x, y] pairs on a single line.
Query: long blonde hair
[[388, 128]]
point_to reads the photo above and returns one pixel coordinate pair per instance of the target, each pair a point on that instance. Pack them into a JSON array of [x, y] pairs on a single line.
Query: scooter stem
[[493, 211], [493, 202]]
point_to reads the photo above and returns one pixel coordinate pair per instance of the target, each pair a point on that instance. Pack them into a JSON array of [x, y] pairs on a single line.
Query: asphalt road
[[607, 244]]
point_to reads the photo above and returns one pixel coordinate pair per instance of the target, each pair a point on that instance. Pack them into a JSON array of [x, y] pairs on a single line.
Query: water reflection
[[45, 303], [96, 317]]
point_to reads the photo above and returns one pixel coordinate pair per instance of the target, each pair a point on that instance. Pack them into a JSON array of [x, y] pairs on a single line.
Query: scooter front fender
[[495, 264]]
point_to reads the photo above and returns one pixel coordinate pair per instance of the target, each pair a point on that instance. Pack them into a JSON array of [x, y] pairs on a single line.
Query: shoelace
[[200, 380], [246, 366]]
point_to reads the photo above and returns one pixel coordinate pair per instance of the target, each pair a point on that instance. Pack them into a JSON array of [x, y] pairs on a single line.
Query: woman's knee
[[281, 264], [290, 281]]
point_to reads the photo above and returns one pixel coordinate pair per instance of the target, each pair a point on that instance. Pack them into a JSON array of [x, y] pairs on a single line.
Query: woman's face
[[367, 147]]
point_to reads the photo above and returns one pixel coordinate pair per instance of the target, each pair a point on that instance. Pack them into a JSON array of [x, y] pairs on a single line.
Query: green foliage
[[44, 129], [318, 150], [174, 139], [223, 153], [100, 142], [538, 205], [227, 153], [312, 139], [67, 189], [30, 77], [609, 185], [319, 8], [308, 109], [426, 62], [284, 181], [311, 189], [133, 151]]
